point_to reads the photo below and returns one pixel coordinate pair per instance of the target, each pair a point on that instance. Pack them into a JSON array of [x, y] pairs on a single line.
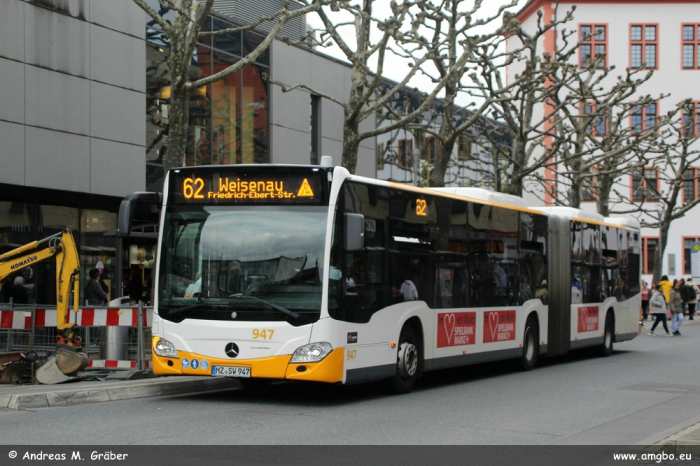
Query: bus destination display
[[255, 188]]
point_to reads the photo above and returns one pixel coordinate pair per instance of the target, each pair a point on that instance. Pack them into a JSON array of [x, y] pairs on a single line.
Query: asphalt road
[[648, 389]]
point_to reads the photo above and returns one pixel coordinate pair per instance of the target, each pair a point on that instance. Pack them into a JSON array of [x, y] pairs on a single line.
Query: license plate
[[230, 371]]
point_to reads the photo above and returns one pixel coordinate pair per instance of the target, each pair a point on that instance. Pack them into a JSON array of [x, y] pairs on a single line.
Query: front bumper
[[329, 370]]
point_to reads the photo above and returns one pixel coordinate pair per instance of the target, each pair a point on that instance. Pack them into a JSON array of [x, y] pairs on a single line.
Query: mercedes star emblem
[[234, 314], [232, 350]]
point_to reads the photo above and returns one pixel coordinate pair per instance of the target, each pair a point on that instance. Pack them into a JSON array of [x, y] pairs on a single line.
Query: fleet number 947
[[264, 334]]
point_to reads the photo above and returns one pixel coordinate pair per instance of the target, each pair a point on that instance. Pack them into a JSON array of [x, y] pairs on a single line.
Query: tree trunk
[[437, 175], [351, 144], [513, 183], [576, 185], [177, 132], [603, 195], [659, 256]]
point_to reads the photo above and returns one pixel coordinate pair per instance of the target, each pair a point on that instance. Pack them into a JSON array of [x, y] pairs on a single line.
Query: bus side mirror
[[354, 232]]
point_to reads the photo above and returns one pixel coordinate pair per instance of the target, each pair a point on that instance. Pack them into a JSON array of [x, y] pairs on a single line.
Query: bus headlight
[[312, 353], [165, 349]]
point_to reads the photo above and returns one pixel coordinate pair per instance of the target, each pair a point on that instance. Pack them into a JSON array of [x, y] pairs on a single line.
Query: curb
[[100, 395]]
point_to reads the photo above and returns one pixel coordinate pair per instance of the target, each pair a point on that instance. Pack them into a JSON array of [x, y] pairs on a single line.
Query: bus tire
[[531, 345], [407, 362], [606, 348]]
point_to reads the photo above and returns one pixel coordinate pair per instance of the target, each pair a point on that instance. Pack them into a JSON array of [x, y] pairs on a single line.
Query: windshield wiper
[[198, 304], [273, 306], [225, 306]]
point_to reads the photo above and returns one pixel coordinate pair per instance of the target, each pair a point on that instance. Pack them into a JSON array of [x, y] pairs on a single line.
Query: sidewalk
[[73, 393], [684, 437]]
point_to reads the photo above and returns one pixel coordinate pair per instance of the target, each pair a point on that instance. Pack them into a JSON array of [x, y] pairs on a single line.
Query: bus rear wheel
[[531, 345], [606, 348], [407, 361]]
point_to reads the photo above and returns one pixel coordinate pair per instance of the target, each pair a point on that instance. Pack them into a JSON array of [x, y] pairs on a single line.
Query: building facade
[[663, 36], [83, 121]]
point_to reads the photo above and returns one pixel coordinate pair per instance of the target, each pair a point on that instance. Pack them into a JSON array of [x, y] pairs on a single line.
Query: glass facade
[[228, 121]]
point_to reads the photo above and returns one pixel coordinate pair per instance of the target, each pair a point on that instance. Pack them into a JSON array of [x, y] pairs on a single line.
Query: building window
[[315, 127], [599, 124], [687, 245], [644, 118], [690, 184], [649, 246], [433, 145], [405, 153], [464, 148], [645, 184], [691, 118], [594, 45], [644, 46], [691, 46], [380, 156]]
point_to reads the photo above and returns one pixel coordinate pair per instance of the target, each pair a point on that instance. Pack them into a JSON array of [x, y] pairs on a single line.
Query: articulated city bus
[[270, 272]]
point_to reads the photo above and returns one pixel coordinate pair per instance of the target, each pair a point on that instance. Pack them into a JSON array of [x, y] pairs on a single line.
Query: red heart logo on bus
[[493, 324], [449, 324]]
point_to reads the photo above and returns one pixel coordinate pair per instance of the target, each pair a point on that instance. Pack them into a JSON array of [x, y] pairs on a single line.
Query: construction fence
[[113, 338]]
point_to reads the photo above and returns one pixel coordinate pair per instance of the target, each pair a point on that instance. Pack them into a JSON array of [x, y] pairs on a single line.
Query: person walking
[[658, 308], [645, 300], [667, 285], [692, 297], [676, 308], [684, 295]]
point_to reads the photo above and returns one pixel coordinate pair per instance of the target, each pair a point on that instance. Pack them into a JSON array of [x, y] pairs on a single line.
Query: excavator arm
[[69, 357], [62, 247]]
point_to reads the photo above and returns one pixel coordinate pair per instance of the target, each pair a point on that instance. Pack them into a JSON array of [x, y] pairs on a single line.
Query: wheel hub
[[408, 359]]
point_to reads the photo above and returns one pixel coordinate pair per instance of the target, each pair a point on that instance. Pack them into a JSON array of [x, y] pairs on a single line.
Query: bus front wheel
[[406, 362]]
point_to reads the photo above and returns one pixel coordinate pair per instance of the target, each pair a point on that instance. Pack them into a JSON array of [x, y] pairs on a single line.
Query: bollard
[[139, 358], [32, 330]]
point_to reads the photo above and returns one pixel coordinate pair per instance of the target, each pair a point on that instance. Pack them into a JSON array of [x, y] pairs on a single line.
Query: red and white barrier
[[112, 364], [86, 317]]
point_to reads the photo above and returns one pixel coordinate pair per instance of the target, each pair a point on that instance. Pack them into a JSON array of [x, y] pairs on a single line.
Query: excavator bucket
[[61, 366]]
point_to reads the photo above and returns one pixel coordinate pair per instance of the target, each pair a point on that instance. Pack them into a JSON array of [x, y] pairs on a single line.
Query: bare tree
[[656, 190], [447, 30], [527, 107], [369, 91], [596, 143], [182, 33]]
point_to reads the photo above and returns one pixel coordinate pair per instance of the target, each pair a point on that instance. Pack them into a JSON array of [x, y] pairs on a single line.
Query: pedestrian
[[658, 308], [676, 308], [667, 285], [684, 295], [692, 297], [645, 300], [94, 294]]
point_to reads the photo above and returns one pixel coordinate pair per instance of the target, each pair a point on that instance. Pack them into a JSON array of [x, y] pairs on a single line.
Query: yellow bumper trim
[[328, 370]]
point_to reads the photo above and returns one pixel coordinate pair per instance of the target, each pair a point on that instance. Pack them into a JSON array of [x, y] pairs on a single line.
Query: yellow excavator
[[69, 357]]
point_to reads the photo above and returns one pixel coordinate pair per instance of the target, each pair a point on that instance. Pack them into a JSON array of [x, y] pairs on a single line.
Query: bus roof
[[508, 201]]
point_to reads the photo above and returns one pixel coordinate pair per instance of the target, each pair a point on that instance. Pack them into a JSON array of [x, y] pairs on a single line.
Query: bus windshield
[[242, 263]]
